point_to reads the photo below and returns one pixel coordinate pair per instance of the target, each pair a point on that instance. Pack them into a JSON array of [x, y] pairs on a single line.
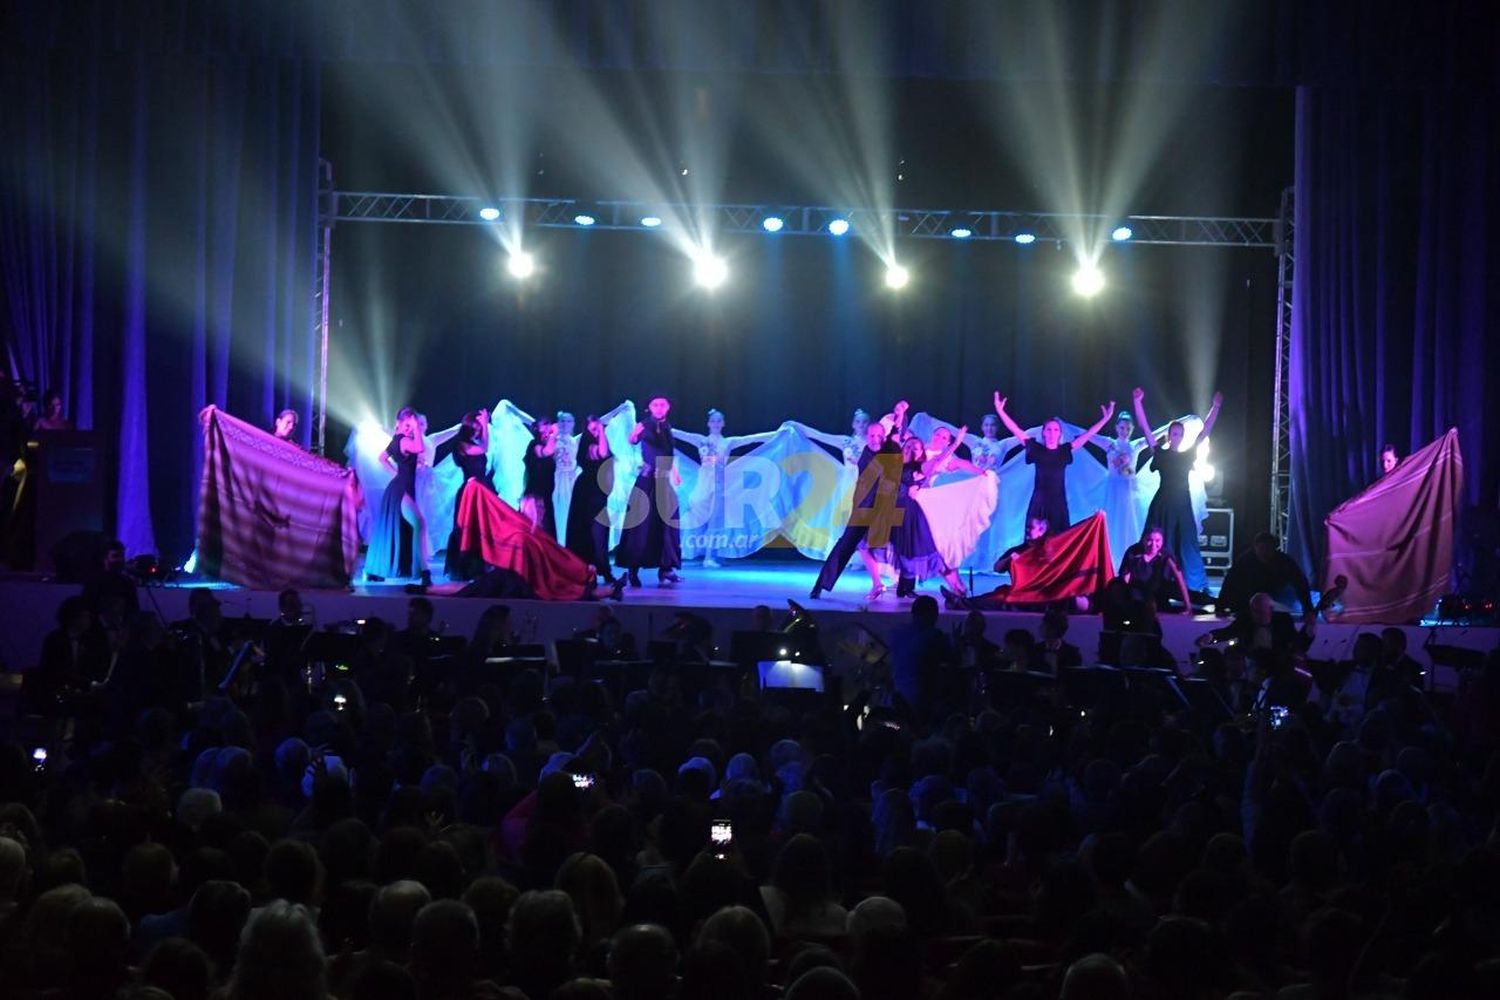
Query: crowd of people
[[958, 818]]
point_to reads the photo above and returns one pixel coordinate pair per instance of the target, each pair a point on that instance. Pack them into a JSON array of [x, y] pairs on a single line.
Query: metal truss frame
[[802, 220], [1281, 408], [1275, 234]]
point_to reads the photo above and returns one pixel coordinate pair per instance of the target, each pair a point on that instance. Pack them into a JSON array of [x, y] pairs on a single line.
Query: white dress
[[566, 460], [1122, 500], [987, 454]]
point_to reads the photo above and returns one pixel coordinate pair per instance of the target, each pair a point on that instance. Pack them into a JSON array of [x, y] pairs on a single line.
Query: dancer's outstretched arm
[[1138, 398], [1106, 410], [1010, 424]]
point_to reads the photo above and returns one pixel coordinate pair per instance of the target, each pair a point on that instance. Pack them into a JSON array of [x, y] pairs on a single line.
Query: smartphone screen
[[721, 833], [583, 781]]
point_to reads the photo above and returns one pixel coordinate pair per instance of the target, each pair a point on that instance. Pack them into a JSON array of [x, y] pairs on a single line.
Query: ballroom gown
[[1122, 504], [458, 565], [394, 548], [1049, 497], [1172, 511], [654, 539], [916, 550], [988, 454], [588, 525]]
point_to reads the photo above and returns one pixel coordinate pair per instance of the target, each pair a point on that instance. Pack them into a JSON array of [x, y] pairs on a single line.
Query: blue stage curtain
[[1395, 324], [157, 235]]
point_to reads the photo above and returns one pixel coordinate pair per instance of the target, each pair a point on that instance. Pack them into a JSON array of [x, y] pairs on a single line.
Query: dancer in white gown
[[987, 452], [705, 531], [566, 461], [1123, 506]]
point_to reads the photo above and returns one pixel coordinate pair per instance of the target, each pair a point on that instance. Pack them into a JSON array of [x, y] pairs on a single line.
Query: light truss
[[1281, 407], [804, 220]]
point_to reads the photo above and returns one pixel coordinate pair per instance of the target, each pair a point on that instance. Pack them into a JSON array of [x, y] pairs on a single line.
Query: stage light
[[772, 223], [521, 264], [896, 276], [710, 271], [961, 233], [1202, 465], [583, 220], [489, 213], [1088, 280], [1025, 238], [1121, 234], [651, 221], [838, 227]]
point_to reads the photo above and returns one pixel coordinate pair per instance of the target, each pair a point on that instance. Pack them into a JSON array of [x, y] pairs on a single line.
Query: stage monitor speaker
[[1216, 537]]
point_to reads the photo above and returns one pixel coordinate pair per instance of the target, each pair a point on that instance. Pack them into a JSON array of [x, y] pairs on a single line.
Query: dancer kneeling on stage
[[1149, 575]]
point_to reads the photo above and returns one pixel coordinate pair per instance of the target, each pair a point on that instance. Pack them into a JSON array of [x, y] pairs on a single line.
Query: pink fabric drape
[[270, 514], [1394, 541]]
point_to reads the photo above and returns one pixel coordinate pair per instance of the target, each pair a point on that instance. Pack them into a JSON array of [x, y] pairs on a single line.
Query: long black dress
[[1049, 497], [916, 550], [541, 480], [588, 526], [394, 548], [655, 540], [1171, 510], [457, 565]]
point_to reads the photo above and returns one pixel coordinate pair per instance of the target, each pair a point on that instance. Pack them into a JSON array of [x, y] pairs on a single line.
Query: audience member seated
[[503, 835]]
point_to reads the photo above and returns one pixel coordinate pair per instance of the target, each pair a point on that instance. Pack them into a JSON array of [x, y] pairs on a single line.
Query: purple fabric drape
[[1395, 329], [158, 220]]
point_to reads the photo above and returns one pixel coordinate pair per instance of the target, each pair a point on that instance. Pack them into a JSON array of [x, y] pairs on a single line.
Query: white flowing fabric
[[566, 461], [958, 512], [1124, 513]]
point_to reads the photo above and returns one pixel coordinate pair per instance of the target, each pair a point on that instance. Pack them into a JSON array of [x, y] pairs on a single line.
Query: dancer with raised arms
[[1051, 456], [1172, 508]]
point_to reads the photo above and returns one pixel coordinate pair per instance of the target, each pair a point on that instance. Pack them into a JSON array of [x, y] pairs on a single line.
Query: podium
[[65, 474]]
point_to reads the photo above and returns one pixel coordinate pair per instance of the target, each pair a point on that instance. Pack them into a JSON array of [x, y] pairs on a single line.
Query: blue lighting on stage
[[489, 213], [838, 227], [583, 220], [962, 233], [1121, 234], [1025, 238], [651, 221], [772, 223]]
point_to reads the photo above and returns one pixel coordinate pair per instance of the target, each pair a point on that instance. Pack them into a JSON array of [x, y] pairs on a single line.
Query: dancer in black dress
[[398, 539], [915, 548], [470, 450], [588, 517], [1171, 509], [1148, 573], [654, 538], [1051, 456], [541, 476]]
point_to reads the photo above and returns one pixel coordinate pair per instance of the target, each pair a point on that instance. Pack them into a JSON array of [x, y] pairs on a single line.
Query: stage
[[725, 596]]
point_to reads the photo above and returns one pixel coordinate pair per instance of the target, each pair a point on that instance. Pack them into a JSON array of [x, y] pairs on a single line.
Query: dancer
[[470, 450], [588, 517], [1049, 497], [1037, 531], [541, 476], [389, 552], [915, 549], [879, 479], [1172, 508], [707, 505], [1389, 459], [943, 445], [654, 539], [52, 417], [565, 459], [285, 426], [1149, 573], [1122, 503], [987, 451]]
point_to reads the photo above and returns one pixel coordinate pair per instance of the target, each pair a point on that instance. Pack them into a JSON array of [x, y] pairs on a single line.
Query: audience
[[425, 827]]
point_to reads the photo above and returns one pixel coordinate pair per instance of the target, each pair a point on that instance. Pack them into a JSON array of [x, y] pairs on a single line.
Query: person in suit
[[1259, 627], [1053, 653]]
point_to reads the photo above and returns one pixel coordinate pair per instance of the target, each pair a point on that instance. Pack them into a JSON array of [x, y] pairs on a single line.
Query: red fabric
[[1394, 541], [505, 538], [271, 515], [1072, 564]]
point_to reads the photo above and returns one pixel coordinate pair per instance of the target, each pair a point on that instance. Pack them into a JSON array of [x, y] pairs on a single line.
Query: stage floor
[[725, 596]]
